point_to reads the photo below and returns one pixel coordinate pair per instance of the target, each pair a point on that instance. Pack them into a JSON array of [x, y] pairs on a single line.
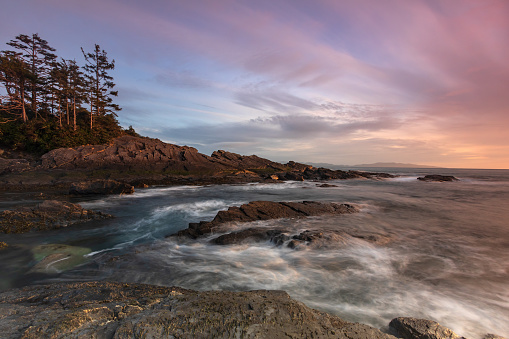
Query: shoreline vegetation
[[59, 136]]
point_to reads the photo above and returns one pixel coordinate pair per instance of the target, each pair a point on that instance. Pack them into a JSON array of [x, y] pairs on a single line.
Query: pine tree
[[36, 53], [77, 88], [15, 77], [99, 83]]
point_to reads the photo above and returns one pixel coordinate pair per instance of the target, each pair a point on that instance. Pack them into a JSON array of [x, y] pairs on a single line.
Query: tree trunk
[[67, 110], [91, 112], [24, 113], [74, 111]]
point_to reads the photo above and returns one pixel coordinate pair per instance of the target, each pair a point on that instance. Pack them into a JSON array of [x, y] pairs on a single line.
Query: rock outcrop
[[14, 166], [50, 214], [298, 240], [438, 178], [119, 310], [130, 153], [99, 186], [265, 210], [412, 328]]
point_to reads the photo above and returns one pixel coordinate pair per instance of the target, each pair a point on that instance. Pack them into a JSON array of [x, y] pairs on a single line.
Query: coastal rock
[[438, 178], [120, 310], [253, 235], [136, 154], [492, 336], [143, 158], [14, 166], [100, 187], [307, 239], [238, 161], [266, 210], [50, 214], [412, 328], [326, 185]]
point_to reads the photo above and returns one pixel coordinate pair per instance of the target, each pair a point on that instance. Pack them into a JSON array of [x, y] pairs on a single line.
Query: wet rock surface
[[265, 210], [314, 239], [50, 214], [119, 310], [438, 178], [412, 328], [100, 187]]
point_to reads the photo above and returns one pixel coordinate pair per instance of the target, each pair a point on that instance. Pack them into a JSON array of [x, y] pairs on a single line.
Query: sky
[[334, 81]]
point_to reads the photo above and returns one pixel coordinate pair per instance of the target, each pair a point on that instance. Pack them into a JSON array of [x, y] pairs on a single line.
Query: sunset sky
[[342, 82]]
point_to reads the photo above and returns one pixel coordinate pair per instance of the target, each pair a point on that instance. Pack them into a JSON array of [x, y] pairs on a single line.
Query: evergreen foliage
[[46, 103]]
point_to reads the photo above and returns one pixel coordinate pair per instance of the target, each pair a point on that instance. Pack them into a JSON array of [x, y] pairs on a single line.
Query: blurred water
[[448, 259]]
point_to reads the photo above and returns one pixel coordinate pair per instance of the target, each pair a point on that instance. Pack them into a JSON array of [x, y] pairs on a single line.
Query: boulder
[[50, 214], [266, 210], [438, 178], [121, 310], [412, 328], [100, 186]]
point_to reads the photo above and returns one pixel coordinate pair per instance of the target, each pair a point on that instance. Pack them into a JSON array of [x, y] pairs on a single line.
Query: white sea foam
[[198, 208]]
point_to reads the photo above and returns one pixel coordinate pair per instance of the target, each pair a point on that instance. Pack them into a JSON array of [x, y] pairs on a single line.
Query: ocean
[[447, 259]]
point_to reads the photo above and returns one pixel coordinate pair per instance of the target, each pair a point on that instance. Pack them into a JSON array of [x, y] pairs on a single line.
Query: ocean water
[[448, 258]]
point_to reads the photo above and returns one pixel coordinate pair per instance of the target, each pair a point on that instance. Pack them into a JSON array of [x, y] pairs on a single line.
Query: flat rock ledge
[[50, 214], [124, 310], [265, 210], [118, 310]]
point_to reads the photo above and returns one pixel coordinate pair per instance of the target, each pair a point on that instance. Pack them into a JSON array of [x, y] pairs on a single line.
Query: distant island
[[394, 164], [373, 165]]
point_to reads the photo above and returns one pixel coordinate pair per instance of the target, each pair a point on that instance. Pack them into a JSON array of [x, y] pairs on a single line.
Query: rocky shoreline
[[119, 310], [139, 162], [122, 310]]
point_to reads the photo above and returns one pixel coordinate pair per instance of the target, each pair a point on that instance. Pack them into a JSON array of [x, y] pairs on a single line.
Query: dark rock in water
[[328, 174], [437, 177], [412, 328], [252, 234], [492, 336], [294, 176], [100, 187], [326, 185], [120, 310], [50, 214], [266, 210]]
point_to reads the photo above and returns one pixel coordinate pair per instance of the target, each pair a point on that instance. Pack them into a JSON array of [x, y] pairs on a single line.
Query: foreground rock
[[117, 310], [411, 328], [438, 178], [50, 214], [265, 210], [102, 187]]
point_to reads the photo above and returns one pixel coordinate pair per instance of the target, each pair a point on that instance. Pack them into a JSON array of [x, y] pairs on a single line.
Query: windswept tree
[[99, 83], [60, 81], [37, 54], [15, 76], [77, 89]]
